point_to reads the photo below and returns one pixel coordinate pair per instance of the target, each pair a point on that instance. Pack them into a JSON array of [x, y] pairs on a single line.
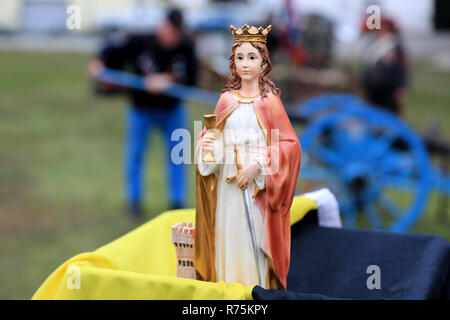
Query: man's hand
[[247, 175], [159, 82], [94, 68]]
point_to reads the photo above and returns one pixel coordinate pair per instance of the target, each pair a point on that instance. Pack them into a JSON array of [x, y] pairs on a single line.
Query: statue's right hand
[[208, 142]]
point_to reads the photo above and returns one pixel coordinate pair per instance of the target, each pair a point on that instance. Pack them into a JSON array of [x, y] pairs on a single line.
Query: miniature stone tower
[[183, 235]]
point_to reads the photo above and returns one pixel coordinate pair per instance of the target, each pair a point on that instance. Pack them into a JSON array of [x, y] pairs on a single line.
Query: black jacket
[[142, 54]]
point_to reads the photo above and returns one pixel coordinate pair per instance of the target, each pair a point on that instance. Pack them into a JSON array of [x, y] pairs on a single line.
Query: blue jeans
[[139, 124]]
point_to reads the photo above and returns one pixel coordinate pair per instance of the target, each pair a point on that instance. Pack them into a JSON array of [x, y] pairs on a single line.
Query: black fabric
[[331, 263], [142, 54], [260, 293]]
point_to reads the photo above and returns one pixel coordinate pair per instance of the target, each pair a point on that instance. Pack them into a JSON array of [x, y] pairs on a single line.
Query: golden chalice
[[210, 123]]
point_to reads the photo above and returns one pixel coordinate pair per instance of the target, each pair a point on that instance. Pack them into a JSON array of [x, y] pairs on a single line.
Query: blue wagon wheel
[[372, 161], [323, 104]]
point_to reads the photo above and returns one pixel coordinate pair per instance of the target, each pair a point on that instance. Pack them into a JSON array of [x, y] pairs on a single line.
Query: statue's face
[[248, 62]]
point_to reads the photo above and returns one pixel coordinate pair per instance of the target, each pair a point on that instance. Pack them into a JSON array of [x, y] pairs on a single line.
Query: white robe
[[235, 259]]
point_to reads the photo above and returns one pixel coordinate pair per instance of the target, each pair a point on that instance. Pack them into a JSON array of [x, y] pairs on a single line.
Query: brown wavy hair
[[265, 78]]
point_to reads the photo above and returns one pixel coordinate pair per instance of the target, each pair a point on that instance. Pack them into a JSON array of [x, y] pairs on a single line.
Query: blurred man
[[385, 74], [165, 57]]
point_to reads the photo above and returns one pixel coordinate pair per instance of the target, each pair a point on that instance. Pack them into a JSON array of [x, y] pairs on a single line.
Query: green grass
[[61, 179]]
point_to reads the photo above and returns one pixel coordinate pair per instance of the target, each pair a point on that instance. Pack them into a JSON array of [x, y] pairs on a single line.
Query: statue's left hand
[[247, 175]]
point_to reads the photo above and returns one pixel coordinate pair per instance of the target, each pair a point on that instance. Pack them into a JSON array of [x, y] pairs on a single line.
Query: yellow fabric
[[142, 265], [300, 207]]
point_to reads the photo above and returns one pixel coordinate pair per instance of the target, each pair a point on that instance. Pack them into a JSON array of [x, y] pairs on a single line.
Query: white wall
[[9, 14], [413, 16]]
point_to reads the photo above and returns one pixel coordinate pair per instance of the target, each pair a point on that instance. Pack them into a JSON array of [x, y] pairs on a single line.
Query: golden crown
[[246, 33]]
